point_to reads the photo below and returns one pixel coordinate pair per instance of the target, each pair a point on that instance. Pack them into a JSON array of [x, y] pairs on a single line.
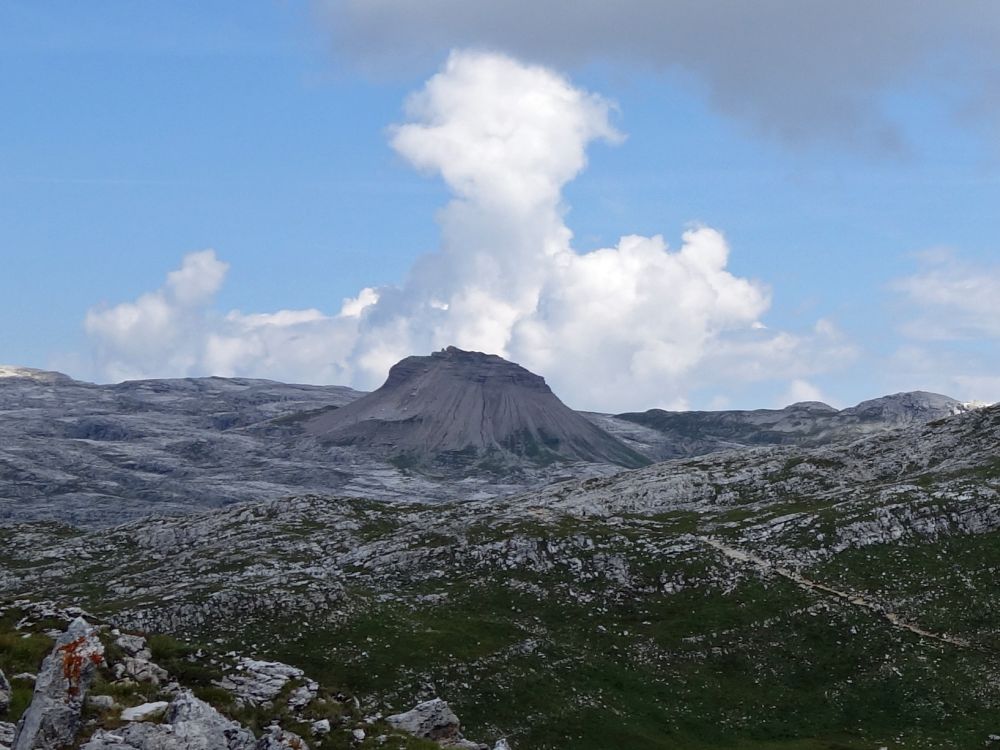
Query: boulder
[[4, 693], [433, 720], [189, 724], [53, 718], [6, 735]]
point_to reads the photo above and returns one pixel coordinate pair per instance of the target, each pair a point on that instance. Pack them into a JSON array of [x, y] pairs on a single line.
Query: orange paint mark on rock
[[73, 662]]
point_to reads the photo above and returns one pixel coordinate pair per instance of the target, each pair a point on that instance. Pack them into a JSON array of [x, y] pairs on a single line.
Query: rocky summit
[[459, 407]]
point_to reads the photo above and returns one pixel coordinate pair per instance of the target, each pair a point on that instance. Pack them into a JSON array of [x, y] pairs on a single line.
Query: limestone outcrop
[[189, 724]]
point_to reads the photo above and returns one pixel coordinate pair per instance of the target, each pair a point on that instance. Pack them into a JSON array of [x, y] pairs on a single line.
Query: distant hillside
[[663, 434], [455, 425]]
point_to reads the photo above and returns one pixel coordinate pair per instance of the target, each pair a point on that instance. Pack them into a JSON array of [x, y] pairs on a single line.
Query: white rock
[[144, 712], [103, 702], [134, 645]]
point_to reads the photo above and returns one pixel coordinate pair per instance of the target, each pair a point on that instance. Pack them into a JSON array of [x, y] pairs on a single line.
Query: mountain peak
[[457, 405], [907, 407], [31, 373]]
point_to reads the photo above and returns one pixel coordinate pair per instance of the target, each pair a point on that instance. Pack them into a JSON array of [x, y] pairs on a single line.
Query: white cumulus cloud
[[949, 298], [635, 325], [950, 310]]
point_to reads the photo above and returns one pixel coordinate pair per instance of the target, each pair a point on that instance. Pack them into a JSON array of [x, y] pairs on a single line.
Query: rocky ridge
[[664, 435]]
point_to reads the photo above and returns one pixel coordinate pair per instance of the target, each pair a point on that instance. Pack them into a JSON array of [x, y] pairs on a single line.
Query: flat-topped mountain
[[456, 406]]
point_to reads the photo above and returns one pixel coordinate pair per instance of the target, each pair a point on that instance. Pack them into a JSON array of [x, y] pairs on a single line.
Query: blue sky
[[135, 134]]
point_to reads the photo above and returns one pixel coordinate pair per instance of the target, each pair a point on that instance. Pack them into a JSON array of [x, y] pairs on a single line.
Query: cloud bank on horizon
[[638, 324], [796, 71]]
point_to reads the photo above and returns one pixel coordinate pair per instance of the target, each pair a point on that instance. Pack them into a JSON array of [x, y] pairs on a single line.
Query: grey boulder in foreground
[[53, 718]]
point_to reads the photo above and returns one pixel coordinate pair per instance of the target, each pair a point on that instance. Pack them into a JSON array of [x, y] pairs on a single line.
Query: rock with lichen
[[53, 718]]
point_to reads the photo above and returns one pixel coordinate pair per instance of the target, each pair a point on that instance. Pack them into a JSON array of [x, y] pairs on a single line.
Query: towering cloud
[[633, 325], [161, 331]]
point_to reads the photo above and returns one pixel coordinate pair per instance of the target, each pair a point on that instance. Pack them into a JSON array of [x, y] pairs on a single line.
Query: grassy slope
[[763, 665]]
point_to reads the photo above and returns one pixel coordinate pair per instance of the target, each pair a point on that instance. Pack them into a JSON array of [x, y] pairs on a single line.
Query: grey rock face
[[4, 692], [53, 718], [456, 405], [189, 724]]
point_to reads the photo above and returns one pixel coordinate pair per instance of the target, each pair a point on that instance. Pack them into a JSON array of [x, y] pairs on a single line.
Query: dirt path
[[858, 600]]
